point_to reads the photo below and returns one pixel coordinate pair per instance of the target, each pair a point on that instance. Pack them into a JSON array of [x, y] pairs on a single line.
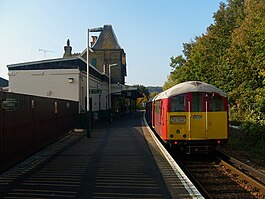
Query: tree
[[247, 61], [230, 55], [142, 90]]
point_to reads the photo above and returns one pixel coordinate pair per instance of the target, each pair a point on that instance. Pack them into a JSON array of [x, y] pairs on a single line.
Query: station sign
[[10, 104], [95, 91]]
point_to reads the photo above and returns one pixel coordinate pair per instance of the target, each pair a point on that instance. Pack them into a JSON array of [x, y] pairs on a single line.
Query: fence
[[29, 123]]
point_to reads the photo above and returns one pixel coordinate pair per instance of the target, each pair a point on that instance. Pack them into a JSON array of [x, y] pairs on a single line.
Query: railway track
[[249, 178], [216, 177], [219, 176]]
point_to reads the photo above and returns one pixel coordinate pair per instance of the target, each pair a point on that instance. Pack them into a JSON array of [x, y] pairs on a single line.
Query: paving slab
[[119, 160]]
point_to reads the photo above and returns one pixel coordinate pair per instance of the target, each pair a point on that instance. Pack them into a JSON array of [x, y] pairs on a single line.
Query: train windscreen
[[216, 103], [178, 104]]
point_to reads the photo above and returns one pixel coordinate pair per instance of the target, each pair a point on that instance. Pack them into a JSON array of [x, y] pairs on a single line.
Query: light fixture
[[71, 80]]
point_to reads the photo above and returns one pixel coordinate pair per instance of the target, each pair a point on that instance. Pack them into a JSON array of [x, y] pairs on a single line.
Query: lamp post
[[88, 113], [110, 89]]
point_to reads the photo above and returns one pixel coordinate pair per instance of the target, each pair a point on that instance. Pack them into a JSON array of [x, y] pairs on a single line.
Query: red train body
[[192, 115]]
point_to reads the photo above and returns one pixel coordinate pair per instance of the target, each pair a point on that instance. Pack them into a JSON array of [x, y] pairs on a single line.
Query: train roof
[[187, 87]]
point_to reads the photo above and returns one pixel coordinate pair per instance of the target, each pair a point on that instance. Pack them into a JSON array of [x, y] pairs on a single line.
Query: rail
[[246, 174], [214, 179]]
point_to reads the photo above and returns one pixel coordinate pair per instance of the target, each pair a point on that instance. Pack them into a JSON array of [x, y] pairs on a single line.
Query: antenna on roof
[[45, 51]]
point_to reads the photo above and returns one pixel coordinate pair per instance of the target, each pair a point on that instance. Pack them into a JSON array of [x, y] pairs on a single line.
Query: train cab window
[[178, 104], [196, 102], [217, 103]]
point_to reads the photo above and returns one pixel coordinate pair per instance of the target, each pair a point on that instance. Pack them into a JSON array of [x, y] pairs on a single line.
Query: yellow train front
[[192, 115]]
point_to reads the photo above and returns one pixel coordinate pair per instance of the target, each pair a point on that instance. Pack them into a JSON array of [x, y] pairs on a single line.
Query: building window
[[82, 98], [99, 102], [94, 62]]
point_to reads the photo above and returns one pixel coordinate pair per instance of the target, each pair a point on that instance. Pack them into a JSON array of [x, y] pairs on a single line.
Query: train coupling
[[197, 149]]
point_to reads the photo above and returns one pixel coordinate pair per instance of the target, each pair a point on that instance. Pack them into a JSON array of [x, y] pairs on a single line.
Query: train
[[192, 116]]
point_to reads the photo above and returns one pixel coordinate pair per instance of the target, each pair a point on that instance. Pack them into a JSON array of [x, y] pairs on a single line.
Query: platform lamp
[[88, 113], [110, 65]]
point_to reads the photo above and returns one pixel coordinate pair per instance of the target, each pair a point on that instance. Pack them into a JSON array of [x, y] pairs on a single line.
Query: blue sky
[[150, 31]]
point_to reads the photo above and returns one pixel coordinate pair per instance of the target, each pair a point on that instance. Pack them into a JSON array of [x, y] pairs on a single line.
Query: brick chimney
[[67, 49]]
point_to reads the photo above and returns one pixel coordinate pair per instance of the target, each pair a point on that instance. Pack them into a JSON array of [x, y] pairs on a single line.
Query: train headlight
[[178, 119]]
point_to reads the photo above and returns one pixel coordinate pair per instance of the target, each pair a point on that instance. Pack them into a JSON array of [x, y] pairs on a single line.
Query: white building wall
[[56, 83], [67, 84], [99, 99]]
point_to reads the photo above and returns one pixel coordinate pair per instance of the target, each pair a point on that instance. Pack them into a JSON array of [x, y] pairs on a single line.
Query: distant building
[[66, 77], [105, 50]]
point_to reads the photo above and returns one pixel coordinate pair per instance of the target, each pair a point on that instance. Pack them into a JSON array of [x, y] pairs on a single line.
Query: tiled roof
[[61, 63], [107, 39], [3, 82]]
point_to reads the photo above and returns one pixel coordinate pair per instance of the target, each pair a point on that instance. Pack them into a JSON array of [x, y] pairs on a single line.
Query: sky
[[149, 31]]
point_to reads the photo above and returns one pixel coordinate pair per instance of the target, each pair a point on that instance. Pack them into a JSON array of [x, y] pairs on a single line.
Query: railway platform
[[119, 160]]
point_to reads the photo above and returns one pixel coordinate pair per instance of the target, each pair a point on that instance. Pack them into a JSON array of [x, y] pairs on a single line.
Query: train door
[[164, 115], [157, 117], [153, 113], [197, 116], [161, 117], [216, 117]]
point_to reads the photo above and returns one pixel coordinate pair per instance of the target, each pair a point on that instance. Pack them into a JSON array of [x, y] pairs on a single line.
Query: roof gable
[[3, 82]]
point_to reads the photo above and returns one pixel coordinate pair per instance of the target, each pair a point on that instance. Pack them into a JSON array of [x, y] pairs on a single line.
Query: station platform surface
[[119, 160]]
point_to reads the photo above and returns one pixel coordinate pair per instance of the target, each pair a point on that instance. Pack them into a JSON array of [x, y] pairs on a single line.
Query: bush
[[250, 139]]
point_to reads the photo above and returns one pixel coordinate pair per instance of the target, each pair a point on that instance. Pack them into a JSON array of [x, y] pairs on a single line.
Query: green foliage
[[142, 90], [230, 55], [251, 139], [152, 95], [140, 103], [246, 58]]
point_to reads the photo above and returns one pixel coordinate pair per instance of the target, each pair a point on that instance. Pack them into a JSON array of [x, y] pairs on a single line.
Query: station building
[[66, 77]]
